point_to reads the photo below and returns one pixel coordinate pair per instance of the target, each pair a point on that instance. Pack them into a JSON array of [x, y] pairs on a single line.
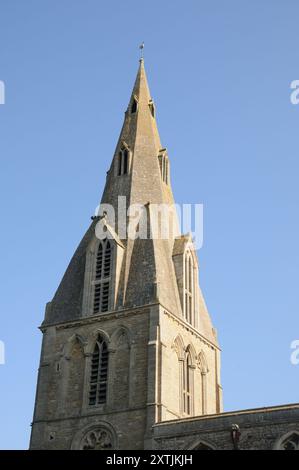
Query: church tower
[[127, 339]]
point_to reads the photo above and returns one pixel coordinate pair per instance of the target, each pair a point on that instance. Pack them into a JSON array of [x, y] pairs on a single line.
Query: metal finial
[[141, 47]]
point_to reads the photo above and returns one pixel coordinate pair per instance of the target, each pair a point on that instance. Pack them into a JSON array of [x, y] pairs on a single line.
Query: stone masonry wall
[[261, 429], [62, 407]]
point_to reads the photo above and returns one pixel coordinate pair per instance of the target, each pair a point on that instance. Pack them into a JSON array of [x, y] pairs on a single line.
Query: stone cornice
[[122, 313]]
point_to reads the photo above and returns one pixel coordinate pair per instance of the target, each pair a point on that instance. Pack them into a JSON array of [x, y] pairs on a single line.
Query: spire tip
[[141, 47]]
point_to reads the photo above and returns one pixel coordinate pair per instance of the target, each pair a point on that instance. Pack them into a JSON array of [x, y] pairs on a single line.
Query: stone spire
[[143, 185], [150, 270], [140, 135]]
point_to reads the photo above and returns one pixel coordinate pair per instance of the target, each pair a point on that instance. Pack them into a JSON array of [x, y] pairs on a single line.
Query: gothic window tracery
[[97, 439]]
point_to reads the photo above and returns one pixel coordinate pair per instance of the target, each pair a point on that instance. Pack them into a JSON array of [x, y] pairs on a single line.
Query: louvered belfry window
[[99, 373], [102, 279]]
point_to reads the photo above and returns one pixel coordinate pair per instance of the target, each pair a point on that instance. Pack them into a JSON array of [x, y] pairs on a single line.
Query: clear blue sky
[[220, 74]]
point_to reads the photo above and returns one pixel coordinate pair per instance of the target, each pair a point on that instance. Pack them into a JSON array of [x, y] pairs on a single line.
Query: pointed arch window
[[99, 373], [202, 446], [189, 288], [203, 367], [164, 167], [186, 364], [123, 162], [134, 106], [290, 441], [187, 385], [102, 281]]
